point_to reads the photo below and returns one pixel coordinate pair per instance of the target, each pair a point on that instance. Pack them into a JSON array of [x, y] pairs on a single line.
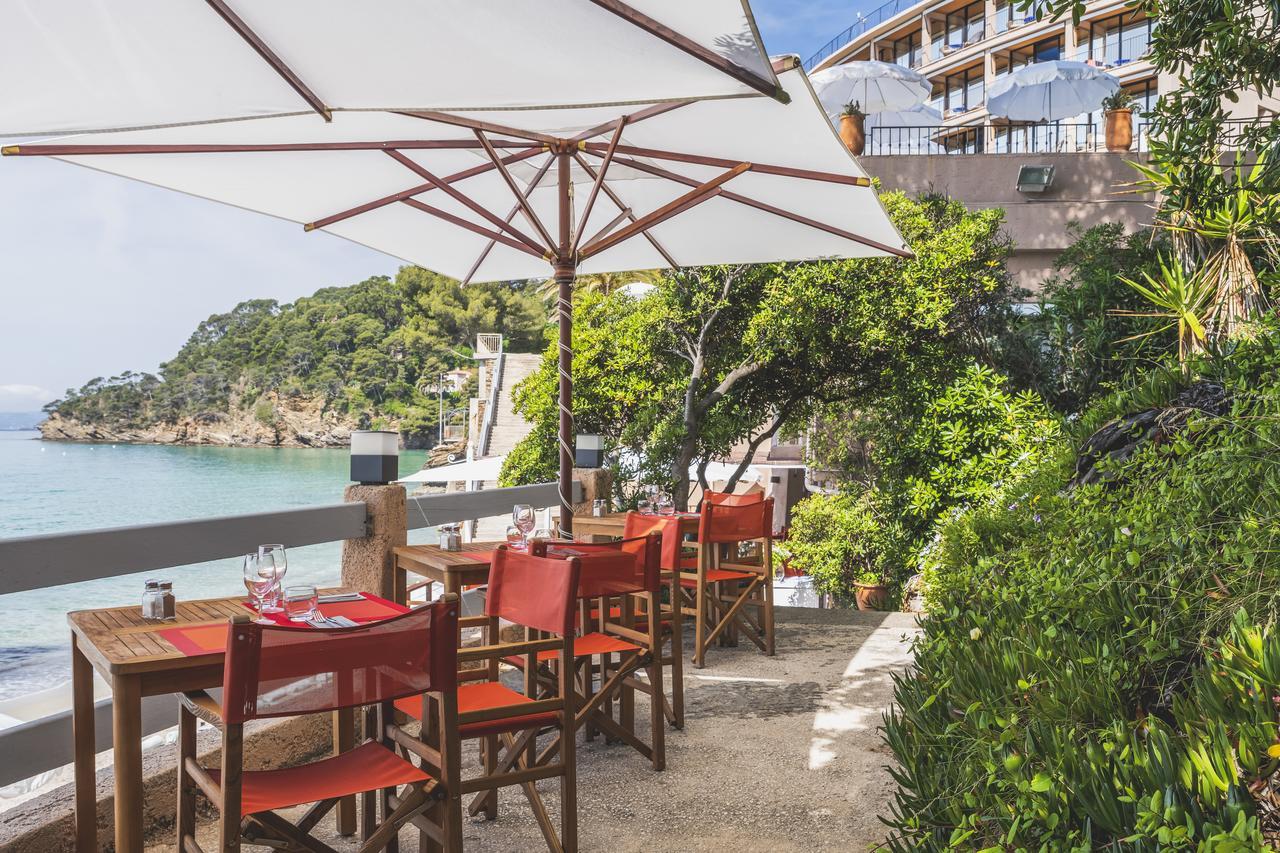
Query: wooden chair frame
[[272, 830], [721, 609]]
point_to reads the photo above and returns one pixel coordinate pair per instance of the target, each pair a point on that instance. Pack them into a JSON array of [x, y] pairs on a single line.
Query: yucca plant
[[1184, 299]]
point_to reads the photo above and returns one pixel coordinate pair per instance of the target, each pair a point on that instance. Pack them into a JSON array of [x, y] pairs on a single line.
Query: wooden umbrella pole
[[565, 271]]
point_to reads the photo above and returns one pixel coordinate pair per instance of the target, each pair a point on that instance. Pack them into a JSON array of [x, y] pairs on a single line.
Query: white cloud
[[16, 397]]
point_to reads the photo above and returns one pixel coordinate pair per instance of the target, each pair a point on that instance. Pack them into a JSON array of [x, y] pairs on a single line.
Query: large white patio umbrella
[[1048, 91], [903, 131], [576, 176], [874, 86]]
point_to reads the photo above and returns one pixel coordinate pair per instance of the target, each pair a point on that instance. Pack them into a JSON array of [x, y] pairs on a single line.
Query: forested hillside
[[363, 355]]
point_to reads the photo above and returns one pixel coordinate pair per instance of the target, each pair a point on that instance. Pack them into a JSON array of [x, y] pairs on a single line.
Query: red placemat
[[197, 639], [371, 609]]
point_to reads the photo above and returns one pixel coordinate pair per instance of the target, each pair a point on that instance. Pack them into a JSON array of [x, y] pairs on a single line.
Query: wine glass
[[524, 518], [260, 580], [279, 561]]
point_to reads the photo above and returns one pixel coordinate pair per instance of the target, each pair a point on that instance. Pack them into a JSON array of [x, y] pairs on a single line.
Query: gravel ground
[[778, 754]]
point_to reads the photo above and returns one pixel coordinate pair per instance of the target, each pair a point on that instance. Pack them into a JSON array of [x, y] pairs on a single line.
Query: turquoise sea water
[[48, 487]]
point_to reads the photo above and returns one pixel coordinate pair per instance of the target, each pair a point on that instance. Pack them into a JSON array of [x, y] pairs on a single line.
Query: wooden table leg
[[344, 741], [82, 724], [126, 733]]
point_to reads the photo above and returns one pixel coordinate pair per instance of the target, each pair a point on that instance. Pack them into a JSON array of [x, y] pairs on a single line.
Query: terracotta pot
[[1119, 130], [853, 134], [871, 596]]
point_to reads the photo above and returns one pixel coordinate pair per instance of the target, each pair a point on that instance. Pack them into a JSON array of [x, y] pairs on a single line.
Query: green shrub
[[1080, 682], [840, 540]]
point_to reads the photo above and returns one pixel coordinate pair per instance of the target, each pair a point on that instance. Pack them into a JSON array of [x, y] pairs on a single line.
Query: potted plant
[[870, 591], [852, 128], [1118, 109], [841, 541]]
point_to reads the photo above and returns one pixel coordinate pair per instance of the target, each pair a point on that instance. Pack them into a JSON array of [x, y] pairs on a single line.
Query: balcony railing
[[36, 562], [864, 23], [994, 139]]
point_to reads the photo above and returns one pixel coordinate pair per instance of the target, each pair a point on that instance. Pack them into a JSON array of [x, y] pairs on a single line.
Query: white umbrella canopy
[[603, 178], [484, 469], [75, 66], [1049, 91], [874, 86], [367, 176]]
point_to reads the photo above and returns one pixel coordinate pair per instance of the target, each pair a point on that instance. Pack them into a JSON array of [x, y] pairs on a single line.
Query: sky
[[100, 275]]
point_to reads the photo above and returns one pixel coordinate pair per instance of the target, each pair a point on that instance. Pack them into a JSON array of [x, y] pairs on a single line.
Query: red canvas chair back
[[736, 523], [612, 568], [536, 592], [638, 525], [279, 671], [730, 499]]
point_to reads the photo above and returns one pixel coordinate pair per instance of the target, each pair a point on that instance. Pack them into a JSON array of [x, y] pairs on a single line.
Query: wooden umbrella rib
[[621, 205], [626, 214], [631, 118], [721, 162], [464, 200], [599, 180], [697, 195], [698, 51], [418, 190], [473, 124], [250, 148], [270, 57], [470, 226], [537, 179], [525, 207], [660, 172]]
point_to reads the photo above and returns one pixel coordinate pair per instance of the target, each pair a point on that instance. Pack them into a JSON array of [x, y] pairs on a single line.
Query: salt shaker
[[166, 604], [151, 600], [598, 507]]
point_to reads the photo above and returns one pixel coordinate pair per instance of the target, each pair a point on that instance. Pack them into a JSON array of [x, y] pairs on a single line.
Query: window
[[1004, 16], [1119, 40], [964, 89], [1047, 50]]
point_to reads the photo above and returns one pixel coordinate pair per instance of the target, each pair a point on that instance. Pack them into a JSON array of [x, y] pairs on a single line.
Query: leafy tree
[[718, 356], [370, 352]]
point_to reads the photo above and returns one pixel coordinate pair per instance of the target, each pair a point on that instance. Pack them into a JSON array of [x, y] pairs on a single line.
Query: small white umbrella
[[874, 86], [1048, 91], [903, 131], [483, 469], [921, 115]]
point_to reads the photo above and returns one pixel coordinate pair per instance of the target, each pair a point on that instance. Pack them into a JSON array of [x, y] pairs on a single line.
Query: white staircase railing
[[491, 407]]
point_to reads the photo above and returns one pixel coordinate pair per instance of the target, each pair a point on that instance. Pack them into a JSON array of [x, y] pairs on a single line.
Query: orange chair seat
[[366, 768], [584, 646], [481, 696], [717, 575]]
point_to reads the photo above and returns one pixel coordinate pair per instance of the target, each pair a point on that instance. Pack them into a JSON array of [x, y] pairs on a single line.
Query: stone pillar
[[596, 483], [367, 563]]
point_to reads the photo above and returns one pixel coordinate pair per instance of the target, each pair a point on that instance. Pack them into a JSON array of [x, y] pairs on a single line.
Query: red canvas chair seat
[[366, 768], [483, 696], [716, 576]]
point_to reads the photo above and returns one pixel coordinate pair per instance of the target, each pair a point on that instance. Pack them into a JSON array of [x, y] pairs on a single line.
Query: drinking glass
[[300, 602], [277, 558], [260, 580], [515, 539], [666, 506], [525, 519], [642, 506]]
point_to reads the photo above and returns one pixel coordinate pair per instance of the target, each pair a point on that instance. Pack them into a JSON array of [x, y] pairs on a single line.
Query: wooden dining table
[[137, 661]]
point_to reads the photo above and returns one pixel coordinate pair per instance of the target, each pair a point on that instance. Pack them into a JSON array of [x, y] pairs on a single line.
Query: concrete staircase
[[509, 427], [507, 431]]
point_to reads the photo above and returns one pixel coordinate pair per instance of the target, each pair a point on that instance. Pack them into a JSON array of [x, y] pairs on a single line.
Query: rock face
[[272, 422]]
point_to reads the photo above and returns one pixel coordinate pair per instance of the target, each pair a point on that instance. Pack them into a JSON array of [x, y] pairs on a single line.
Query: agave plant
[[1185, 299]]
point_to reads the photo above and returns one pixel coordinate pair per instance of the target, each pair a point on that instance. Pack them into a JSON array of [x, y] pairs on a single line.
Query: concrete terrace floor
[[778, 754]]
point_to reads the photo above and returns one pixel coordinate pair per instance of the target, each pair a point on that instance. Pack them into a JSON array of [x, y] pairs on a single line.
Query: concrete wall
[[1087, 188]]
